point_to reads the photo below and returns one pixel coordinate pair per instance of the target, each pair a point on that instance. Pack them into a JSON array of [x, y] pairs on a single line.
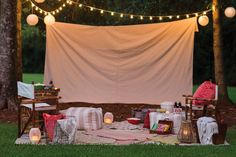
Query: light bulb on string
[[187, 16], [177, 16], [80, 5], [101, 11], [230, 12], [203, 20], [91, 8], [121, 15], [112, 13], [32, 19], [60, 8], [64, 5], [141, 17], [170, 17], [160, 18], [150, 18], [39, 1], [131, 16], [49, 19]]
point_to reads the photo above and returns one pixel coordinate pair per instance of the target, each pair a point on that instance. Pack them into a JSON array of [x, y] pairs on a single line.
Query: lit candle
[[35, 139], [185, 132], [107, 121]]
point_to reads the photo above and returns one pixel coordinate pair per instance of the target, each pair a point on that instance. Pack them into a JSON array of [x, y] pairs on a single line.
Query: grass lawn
[[38, 78], [9, 149]]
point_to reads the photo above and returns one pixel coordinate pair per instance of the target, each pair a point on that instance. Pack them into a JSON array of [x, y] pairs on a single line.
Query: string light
[[112, 13]]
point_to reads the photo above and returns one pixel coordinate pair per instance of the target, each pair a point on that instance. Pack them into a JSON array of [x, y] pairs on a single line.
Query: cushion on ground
[[50, 122], [87, 118]]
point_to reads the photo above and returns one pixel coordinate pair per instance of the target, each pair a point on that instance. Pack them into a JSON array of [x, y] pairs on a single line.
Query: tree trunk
[[7, 54], [217, 49], [19, 42]]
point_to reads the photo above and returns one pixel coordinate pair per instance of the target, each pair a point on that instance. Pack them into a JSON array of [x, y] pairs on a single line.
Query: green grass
[[38, 78], [9, 149]]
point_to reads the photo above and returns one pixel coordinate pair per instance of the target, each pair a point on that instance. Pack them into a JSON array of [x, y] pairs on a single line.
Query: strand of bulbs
[[49, 19]]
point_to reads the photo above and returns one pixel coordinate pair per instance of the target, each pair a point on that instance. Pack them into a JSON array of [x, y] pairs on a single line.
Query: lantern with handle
[[185, 134], [108, 118], [34, 135]]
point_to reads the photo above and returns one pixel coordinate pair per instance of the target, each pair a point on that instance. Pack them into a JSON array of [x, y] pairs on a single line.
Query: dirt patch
[[227, 110], [8, 116]]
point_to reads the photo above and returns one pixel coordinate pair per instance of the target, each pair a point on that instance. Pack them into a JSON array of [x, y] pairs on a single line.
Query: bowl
[[134, 120]]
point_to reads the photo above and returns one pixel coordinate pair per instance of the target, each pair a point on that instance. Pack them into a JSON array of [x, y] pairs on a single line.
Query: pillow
[[50, 123], [87, 118], [205, 90]]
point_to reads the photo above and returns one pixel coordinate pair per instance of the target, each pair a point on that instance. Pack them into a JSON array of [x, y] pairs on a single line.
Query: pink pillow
[[205, 90], [50, 123]]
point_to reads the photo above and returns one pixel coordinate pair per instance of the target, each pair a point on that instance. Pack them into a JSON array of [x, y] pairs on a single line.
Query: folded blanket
[[207, 126]]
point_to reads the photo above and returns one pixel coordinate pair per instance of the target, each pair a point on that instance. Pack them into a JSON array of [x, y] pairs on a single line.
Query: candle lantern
[[34, 135], [108, 118], [185, 134]]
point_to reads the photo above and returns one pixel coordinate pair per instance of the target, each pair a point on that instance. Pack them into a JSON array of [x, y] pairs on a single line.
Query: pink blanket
[[122, 135]]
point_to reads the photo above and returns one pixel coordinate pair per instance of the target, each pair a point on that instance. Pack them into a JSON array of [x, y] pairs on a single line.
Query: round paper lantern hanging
[[230, 12], [203, 20], [34, 135], [108, 118], [39, 1], [49, 19], [32, 19]]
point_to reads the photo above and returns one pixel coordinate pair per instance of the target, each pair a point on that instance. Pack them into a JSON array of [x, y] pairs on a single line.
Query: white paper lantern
[[108, 118], [39, 1], [203, 20], [32, 19], [49, 19], [230, 12], [34, 135]]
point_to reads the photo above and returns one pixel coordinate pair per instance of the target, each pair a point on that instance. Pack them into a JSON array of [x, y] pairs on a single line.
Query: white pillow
[[87, 118]]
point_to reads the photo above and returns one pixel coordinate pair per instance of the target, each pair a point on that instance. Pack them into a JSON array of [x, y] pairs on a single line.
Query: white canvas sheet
[[148, 63]]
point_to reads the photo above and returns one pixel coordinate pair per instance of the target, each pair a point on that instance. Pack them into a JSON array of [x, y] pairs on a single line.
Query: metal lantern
[[32, 19], [230, 12], [185, 134], [108, 118], [49, 19], [203, 20], [39, 1], [34, 135]]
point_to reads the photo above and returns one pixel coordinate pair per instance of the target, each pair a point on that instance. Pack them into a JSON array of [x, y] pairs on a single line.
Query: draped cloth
[[148, 63]]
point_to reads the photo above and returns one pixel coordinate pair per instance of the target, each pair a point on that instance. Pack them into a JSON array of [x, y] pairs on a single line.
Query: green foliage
[[34, 37], [8, 149]]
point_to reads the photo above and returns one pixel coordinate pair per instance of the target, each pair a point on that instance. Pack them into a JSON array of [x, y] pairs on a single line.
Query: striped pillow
[[87, 118]]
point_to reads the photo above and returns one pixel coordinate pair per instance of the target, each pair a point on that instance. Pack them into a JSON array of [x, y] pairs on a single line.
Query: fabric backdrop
[[147, 63]]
